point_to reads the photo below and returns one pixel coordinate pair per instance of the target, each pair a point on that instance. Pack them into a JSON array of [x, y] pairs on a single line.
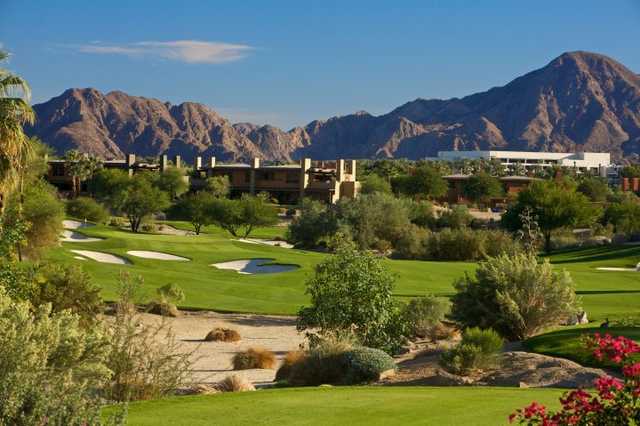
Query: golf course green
[[468, 406], [610, 294]]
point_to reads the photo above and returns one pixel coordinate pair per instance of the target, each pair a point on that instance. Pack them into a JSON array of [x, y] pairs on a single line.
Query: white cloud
[[190, 51]]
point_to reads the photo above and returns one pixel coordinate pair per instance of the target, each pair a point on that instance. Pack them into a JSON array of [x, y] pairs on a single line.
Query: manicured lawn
[[612, 294], [568, 343], [344, 406]]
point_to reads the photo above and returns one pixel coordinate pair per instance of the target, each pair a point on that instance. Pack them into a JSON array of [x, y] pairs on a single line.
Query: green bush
[[85, 208], [338, 365], [477, 350], [68, 288], [457, 217], [456, 244], [412, 243], [423, 313], [515, 295], [351, 292], [364, 365], [51, 367]]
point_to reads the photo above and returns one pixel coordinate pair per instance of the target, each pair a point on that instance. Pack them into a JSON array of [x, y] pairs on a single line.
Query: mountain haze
[[579, 102]]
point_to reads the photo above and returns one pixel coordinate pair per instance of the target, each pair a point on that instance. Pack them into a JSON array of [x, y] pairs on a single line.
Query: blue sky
[[289, 62]]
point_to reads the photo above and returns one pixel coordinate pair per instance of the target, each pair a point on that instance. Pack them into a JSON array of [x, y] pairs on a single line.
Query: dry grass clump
[[235, 383], [254, 358], [222, 335], [442, 331]]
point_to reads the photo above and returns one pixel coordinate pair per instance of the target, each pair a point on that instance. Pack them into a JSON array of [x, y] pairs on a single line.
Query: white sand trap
[[618, 269], [102, 257], [76, 237], [74, 224], [156, 255], [255, 266], [275, 243], [79, 257]]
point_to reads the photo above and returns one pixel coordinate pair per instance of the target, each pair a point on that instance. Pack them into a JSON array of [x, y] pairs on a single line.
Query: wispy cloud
[[190, 51]]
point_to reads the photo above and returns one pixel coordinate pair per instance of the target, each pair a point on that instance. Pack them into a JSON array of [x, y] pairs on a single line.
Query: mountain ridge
[[580, 101]]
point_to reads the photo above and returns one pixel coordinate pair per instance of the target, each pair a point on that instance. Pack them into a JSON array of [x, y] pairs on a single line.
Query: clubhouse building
[[326, 181]]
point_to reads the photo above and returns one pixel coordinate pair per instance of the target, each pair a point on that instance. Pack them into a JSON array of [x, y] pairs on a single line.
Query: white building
[[596, 162]]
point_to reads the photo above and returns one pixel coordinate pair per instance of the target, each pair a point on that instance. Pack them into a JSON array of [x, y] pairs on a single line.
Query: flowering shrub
[[616, 402]]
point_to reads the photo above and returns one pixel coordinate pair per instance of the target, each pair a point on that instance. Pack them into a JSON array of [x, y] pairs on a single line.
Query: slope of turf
[[568, 343], [613, 294], [343, 406]]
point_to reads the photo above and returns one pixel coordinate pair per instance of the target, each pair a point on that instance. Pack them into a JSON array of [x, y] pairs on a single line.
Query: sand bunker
[[79, 257], [255, 266], [74, 224], [75, 237], [275, 243], [618, 269], [102, 257], [156, 255]]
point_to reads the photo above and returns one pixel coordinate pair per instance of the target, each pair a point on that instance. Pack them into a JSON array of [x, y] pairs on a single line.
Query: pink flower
[[607, 386]]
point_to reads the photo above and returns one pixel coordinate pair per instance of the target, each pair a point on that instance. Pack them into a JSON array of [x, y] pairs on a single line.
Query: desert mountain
[[579, 102]]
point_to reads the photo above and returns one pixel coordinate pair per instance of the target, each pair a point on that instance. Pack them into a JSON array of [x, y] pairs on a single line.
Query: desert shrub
[[51, 367], [254, 358], [457, 217], [421, 214], [456, 244], [477, 350], [165, 304], [39, 215], [515, 295], [498, 242], [423, 313], [351, 292], [146, 360], [441, 331], [336, 364], [374, 183], [117, 222], [290, 359], [222, 335], [364, 365], [68, 288], [412, 243], [235, 383], [86, 208]]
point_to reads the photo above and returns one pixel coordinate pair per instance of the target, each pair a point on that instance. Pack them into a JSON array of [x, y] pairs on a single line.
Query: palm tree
[[80, 167], [15, 147]]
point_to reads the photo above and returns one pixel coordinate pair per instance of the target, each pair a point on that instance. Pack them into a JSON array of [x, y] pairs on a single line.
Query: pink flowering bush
[[615, 403]]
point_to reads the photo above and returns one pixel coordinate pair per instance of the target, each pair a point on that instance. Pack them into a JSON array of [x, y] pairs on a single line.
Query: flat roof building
[[597, 162]]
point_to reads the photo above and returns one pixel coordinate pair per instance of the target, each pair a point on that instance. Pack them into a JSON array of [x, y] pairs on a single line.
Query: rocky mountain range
[[580, 101]]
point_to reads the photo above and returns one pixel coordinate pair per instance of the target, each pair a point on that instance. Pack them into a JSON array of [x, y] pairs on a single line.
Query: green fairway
[[612, 294], [344, 406], [568, 343]]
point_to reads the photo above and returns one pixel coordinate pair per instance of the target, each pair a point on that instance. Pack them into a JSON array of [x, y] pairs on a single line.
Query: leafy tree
[[240, 217], [630, 171], [424, 180], [374, 183], [515, 295], [15, 112], [51, 367], [107, 186], [81, 167], [317, 222], [172, 181], [351, 292], [140, 199], [555, 205], [218, 186], [481, 187], [374, 220], [595, 188], [197, 209], [624, 215]]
